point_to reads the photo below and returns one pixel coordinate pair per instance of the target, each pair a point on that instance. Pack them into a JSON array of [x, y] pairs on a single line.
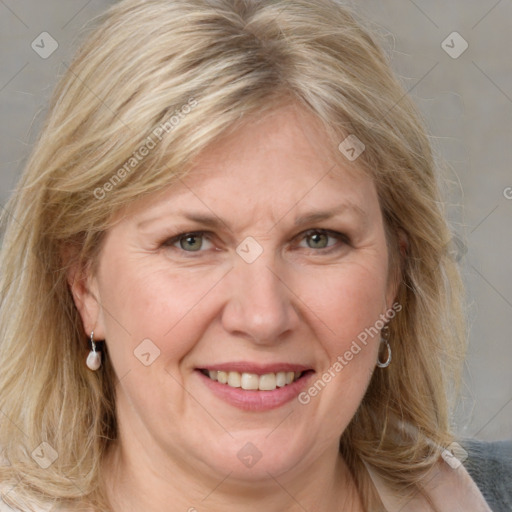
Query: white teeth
[[249, 381], [267, 382], [234, 379], [280, 379], [252, 381]]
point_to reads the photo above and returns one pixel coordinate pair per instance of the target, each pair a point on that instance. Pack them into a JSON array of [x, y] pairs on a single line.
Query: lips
[[258, 369], [256, 387]]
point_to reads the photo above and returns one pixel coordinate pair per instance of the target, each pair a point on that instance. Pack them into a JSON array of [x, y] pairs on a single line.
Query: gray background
[[467, 104]]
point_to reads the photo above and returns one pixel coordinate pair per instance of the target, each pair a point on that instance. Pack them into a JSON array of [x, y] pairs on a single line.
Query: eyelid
[[172, 240], [331, 233], [208, 235]]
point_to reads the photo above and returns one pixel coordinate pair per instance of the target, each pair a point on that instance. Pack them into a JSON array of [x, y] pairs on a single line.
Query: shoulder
[[8, 498], [490, 466], [444, 488], [4, 507]]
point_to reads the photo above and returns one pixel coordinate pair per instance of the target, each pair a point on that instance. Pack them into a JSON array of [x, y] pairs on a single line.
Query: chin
[[255, 456]]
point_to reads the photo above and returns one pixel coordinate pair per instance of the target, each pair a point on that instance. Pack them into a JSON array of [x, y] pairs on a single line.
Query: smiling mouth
[[252, 381]]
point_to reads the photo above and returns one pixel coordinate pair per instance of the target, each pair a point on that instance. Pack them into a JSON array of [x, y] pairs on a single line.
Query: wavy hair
[[141, 65]]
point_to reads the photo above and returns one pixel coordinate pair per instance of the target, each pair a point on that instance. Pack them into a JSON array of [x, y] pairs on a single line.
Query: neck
[[144, 483]]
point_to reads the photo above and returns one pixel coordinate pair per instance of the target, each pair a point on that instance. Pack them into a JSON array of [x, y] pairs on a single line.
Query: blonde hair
[[224, 59]]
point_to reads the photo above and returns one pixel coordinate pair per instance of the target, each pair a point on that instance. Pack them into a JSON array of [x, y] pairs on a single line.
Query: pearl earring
[[94, 357]]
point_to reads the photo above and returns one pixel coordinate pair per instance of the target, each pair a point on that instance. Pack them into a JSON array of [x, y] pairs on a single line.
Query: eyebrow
[[321, 215], [212, 221]]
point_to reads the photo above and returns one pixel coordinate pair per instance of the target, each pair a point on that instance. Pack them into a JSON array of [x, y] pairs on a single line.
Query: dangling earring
[[94, 357], [384, 339]]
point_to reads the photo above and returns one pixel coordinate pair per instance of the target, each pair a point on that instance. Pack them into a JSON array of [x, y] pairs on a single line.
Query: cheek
[[153, 319], [145, 300], [346, 312], [346, 300]]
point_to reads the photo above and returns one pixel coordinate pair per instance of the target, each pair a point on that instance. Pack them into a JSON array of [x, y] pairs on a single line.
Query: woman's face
[[268, 258]]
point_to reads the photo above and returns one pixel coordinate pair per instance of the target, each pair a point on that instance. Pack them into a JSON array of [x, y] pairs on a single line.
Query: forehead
[[269, 164], [290, 141]]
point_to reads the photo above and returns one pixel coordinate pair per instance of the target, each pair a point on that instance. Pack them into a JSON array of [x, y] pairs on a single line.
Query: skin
[[299, 302]]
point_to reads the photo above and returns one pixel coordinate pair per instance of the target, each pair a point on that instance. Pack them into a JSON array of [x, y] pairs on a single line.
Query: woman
[[226, 276]]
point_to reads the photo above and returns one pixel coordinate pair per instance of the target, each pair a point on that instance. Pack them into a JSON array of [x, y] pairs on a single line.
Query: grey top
[[490, 466]]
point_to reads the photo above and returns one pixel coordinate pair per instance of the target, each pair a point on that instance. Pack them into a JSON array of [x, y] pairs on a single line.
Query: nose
[[261, 304]]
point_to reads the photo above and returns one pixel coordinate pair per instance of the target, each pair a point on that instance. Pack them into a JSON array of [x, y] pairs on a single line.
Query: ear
[[403, 243], [397, 263], [85, 290]]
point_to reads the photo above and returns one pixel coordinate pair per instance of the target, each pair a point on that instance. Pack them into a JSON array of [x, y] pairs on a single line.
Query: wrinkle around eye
[[340, 237], [176, 241], [336, 242]]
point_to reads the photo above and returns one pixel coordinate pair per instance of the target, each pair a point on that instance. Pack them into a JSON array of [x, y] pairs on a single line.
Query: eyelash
[[341, 237]]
